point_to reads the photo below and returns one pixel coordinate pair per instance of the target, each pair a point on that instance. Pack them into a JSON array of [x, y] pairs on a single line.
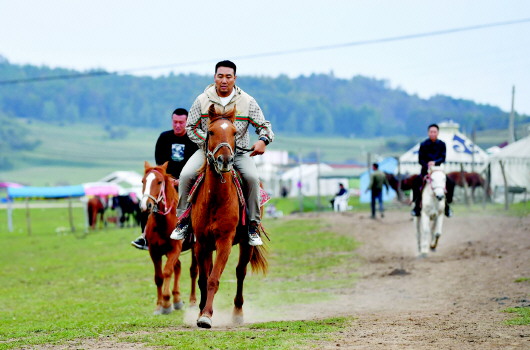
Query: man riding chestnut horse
[[225, 96]]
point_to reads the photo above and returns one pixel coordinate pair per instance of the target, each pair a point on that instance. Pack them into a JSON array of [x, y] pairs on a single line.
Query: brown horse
[[473, 180], [215, 218], [96, 206], [406, 183], [160, 199]]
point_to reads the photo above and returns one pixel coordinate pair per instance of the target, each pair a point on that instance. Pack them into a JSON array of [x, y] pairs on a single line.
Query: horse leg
[[223, 248], [177, 302], [437, 229], [194, 271], [425, 229], [204, 259], [241, 271], [159, 280]]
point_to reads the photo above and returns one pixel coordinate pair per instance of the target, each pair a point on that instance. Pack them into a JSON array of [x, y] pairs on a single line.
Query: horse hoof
[[204, 322], [166, 310], [237, 319], [158, 311], [178, 305]]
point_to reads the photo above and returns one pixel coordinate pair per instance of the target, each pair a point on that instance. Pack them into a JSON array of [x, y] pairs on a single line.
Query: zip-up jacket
[[431, 151], [248, 113]]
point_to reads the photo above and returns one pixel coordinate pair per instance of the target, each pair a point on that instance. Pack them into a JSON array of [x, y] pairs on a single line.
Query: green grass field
[[61, 287]]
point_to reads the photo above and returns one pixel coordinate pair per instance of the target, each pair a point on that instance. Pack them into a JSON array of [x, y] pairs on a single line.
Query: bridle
[[210, 155], [429, 180], [161, 197]]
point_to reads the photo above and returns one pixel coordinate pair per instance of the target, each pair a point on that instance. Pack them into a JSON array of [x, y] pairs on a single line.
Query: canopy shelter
[[515, 160], [387, 165], [28, 192], [460, 151]]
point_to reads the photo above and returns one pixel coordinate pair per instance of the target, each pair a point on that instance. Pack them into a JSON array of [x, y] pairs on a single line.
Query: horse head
[[157, 189], [220, 142], [437, 181]]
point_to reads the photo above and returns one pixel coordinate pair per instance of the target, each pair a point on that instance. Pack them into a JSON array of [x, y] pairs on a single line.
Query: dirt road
[[451, 300]]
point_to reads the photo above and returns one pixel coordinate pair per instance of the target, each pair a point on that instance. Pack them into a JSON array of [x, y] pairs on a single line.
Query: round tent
[[515, 159], [459, 151]]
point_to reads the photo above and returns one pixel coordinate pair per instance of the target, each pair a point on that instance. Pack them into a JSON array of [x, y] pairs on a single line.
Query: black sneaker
[[448, 211], [140, 243], [415, 212]]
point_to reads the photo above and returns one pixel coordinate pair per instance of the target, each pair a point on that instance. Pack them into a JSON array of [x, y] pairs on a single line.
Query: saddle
[[264, 196]]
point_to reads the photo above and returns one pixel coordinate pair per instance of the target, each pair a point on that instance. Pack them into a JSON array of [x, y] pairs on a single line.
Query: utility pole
[[511, 129]]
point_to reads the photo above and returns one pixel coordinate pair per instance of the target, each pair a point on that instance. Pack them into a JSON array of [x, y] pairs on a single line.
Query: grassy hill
[[78, 153]]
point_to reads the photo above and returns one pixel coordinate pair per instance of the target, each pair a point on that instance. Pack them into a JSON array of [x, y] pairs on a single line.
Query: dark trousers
[[377, 195], [416, 194]]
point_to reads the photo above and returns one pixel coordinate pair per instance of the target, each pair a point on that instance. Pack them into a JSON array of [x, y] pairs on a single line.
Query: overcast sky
[[481, 65]]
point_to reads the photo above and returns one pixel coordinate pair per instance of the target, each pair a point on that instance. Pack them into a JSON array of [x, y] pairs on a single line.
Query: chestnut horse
[[473, 180], [96, 206], [160, 199], [407, 182], [215, 219]]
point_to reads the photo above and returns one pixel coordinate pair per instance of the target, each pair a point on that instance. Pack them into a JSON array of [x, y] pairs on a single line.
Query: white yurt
[[516, 162], [305, 176], [459, 150]]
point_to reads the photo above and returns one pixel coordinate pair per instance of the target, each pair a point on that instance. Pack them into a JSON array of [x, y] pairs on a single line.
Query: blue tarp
[[388, 165], [46, 192]]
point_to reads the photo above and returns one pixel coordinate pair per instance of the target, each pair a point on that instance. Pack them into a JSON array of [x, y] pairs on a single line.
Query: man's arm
[[160, 154], [442, 155], [194, 125], [423, 158], [256, 117]]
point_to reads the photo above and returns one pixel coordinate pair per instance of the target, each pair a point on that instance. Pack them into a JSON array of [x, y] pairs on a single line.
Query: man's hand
[[259, 148], [430, 164]]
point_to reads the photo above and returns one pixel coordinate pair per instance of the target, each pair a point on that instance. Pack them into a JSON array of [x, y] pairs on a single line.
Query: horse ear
[[211, 111], [164, 166], [146, 165], [232, 114]]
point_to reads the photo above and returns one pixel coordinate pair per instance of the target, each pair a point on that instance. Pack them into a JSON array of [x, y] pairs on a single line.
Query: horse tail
[[258, 260]]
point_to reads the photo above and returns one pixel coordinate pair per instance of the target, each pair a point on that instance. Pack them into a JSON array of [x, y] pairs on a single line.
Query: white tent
[[516, 161], [308, 173], [459, 150], [130, 181]]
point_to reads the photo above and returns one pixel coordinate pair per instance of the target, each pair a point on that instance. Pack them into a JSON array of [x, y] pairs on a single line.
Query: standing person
[[432, 152], [225, 95], [175, 147], [377, 180]]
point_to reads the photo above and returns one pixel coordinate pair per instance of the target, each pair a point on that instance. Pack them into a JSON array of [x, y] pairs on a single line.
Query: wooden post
[[319, 206], [70, 215], [399, 192], [300, 195], [28, 218], [506, 201], [9, 215]]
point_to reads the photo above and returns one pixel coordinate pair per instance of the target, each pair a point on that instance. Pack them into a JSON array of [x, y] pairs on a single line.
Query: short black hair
[[433, 126], [225, 63], [180, 111], [375, 165]]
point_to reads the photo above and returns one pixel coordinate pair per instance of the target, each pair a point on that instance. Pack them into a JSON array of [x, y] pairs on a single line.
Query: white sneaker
[[180, 232], [254, 239]]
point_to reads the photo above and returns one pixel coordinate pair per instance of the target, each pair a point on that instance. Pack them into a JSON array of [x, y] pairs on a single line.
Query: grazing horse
[[126, 209], [473, 180], [96, 205], [160, 199], [215, 218], [429, 224], [406, 183]]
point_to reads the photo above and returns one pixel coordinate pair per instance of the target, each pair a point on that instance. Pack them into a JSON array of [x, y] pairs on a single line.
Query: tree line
[[319, 104]]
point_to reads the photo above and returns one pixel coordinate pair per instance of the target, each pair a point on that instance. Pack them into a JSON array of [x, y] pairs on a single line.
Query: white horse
[[429, 224]]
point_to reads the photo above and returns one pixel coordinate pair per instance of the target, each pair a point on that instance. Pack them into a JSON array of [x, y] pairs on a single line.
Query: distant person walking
[[175, 147], [377, 181]]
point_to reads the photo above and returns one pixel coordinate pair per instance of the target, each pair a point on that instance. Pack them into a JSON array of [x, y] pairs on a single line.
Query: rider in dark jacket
[[432, 152]]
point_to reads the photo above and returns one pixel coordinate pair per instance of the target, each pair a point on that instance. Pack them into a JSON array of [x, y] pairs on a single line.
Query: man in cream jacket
[[225, 95]]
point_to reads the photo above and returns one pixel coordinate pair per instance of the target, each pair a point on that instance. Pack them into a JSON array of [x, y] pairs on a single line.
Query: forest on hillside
[[319, 104]]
